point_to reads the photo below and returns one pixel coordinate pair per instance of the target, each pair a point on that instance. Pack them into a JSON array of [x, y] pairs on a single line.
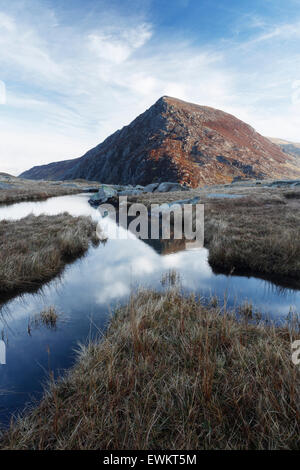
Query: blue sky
[[72, 72]]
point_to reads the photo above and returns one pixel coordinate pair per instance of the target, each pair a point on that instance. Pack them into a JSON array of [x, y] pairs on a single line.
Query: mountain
[[177, 141], [291, 148]]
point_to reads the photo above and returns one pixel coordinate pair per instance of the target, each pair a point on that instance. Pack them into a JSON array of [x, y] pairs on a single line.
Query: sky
[[73, 72]]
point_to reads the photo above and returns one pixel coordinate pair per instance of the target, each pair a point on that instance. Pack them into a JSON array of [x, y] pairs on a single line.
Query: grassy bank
[[35, 249], [258, 233], [11, 196], [171, 373], [14, 189], [255, 235]]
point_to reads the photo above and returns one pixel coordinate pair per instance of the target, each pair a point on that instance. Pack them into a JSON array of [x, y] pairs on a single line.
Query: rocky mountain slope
[[177, 141], [292, 148]]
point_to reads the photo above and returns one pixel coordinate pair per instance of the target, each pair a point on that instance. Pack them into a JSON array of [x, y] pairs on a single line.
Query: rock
[[285, 183], [102, 196], [90, 190], [168, 187], [150, 188], [194, 200], [130, 192], [119, 187]]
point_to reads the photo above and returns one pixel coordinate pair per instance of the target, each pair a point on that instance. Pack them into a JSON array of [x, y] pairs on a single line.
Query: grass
[[292, 195], [254, 235], [35, 249], [171, 373], [38, 193], [170, 278], [21, 190], [257, 234], [47, 317]]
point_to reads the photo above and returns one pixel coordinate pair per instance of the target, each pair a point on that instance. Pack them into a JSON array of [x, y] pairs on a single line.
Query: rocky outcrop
[[107, 193], [285, 183], [177, 141]]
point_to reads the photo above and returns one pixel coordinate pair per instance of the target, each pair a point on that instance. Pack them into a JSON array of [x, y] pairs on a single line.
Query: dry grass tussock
[[35, 249], [256, 235], [47, 317], [172, 373], [36, 192]]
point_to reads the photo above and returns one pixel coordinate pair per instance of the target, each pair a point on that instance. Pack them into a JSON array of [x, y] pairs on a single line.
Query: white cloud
[[22, 51], [117, 46], [108, 49], [20, 149], [2, 92], [7, 24], [284, 31], [296, 92], [76, 85]]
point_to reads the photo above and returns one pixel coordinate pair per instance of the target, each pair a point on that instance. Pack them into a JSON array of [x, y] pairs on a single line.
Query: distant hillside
[[292, 148], [177, 141], [6, 175]]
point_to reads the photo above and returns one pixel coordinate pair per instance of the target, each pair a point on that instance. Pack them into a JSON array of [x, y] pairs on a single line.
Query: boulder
[[103, 195], [168, 187], [130, 192], [150, 188], [90, 189]]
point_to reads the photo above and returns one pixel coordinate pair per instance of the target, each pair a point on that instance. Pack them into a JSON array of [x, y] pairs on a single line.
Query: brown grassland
[[172, 373], [14, 189], [35, 249], [256, 236], [35, 193]]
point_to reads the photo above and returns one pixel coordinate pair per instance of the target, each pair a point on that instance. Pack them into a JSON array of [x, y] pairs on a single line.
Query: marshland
[[36, 249], [196, 341], [13, 189], [172, 373]]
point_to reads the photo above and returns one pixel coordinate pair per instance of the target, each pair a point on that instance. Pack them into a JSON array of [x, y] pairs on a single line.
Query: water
[[88, 292]]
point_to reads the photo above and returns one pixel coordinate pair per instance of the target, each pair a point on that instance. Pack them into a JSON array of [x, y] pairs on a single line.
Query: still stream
[[89, 290]]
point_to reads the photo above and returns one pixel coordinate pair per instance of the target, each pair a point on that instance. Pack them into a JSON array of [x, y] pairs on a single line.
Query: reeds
[[254, 236], [172, 373], [47, 317], [35, 249], [37, 192]]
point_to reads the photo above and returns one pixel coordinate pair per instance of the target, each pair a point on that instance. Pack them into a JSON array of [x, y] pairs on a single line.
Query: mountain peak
[[177, 141]]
